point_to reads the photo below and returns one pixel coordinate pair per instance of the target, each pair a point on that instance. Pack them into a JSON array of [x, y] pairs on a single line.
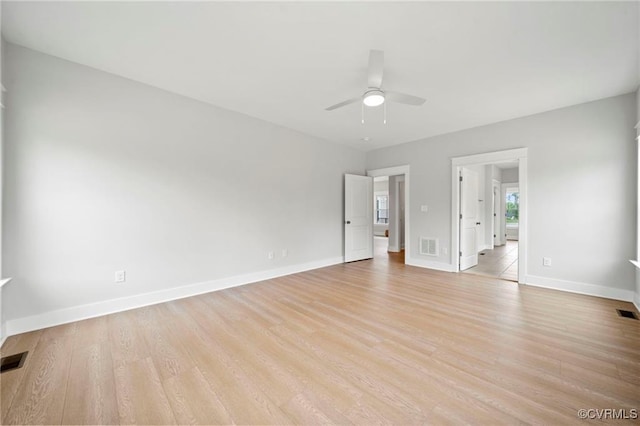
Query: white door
[[496, 213], [401, 213], [358, 218], [468, 219]]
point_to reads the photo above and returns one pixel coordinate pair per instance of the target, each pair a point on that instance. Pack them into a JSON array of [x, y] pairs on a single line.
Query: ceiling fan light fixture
[[373, 98]]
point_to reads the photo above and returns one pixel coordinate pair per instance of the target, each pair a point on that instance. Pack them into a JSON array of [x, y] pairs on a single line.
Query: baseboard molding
[[636, 300], [581, 288], [78, 313], [430, 264], [393, 249], [486, 247]]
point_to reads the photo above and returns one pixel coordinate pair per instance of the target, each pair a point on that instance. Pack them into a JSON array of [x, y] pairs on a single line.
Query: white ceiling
[[475, 63]]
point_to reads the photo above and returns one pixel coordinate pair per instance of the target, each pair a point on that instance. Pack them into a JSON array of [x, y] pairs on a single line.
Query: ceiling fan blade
[[403, 98], [341, 104], [376, 65]]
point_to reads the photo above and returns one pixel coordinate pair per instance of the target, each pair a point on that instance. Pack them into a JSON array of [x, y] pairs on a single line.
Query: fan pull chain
[[385, 112]]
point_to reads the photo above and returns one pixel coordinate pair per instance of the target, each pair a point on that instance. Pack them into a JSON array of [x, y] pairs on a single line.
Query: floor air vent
[[627, 314], [12, 362]]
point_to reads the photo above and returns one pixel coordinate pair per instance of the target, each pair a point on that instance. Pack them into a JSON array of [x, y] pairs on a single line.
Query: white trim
[[490, 157], [395, 171], [389, 171], [580, 288], [509, 155], [429, 264], [3, 323], [77, 313]]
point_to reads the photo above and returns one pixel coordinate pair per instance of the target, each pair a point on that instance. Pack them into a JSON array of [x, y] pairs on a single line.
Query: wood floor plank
[[141, 397], [41, 394], [10, 380], [193, 401], [91, 396], [370, 342]]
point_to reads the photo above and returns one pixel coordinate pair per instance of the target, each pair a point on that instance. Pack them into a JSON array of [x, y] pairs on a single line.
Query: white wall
[[582, 158], [105, 174], [381, 185], [510, 175]]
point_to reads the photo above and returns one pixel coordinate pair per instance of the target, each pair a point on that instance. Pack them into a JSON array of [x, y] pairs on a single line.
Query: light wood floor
[[367, 342], [501, 262]]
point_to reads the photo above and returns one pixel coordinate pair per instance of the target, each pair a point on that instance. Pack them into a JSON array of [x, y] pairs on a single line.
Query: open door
[[358, 218], [497, 239], [468, 219]]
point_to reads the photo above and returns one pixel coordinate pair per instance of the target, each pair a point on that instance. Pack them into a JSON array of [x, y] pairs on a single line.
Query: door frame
[[519, 154], [395, 171]]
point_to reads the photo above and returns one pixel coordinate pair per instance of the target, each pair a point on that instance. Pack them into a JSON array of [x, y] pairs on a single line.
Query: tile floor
[[501, 262]]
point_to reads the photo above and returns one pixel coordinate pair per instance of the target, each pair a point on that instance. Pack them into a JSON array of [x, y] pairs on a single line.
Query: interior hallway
[[381, 253], [501, 262]]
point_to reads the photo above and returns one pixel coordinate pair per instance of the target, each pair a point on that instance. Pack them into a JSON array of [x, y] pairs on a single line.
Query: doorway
[[485, 227], [499, 257], [391, 219]]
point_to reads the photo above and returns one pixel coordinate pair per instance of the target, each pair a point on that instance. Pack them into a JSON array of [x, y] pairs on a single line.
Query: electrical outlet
[[270, 255], [120, 276], [285, 252], [546, 261]]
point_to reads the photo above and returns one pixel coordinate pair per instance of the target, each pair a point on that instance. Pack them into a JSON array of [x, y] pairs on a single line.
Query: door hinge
[[460, 215], [460, 254], [460, 178], [494, 235], [494, 215]]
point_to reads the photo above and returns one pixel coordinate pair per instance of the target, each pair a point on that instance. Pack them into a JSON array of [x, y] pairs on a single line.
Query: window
[[512, 207], [382, 209]]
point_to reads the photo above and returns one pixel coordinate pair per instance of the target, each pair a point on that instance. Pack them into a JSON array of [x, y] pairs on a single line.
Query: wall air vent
[[429, 246]]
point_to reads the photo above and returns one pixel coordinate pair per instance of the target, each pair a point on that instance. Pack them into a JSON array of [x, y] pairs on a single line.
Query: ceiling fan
[[374, 96]]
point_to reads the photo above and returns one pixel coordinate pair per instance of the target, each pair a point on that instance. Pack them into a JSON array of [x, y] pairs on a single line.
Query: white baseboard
[[581, 288], [430, 264], [486, 247], [393, 249], [77, 313], [636, 300]]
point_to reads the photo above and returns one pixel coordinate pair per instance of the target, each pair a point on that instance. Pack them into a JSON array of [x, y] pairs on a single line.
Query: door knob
[[477, 223]]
